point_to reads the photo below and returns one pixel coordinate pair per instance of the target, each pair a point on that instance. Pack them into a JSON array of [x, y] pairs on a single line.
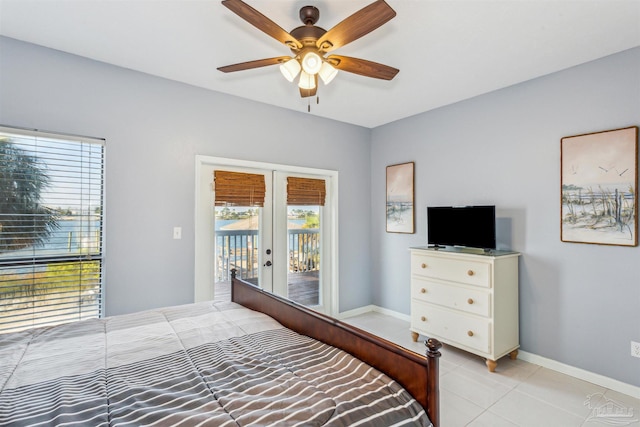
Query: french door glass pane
[[303, 248], [236, 240]]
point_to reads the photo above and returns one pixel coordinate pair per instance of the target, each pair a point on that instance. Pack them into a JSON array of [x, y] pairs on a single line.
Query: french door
[[242, 225], [284, 248]]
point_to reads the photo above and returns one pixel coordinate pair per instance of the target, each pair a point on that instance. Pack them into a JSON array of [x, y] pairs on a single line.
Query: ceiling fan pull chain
[[308, 105], [317, 100]]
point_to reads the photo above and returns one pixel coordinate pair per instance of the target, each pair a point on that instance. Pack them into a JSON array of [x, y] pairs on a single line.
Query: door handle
[[267, 264]]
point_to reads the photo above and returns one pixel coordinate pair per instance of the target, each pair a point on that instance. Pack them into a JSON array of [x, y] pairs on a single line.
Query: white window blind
[[51, 228]]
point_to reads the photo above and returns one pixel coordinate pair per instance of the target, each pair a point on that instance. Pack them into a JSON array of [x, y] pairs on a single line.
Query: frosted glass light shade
[[290, 69], [311, 63], [327, 72], [307, 81]]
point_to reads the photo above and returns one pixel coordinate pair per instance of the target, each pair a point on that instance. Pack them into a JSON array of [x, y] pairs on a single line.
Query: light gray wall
[[579, 303], [154, 128]]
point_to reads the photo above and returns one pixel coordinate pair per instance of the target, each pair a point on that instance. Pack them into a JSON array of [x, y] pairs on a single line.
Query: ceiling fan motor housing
[[308, 35]]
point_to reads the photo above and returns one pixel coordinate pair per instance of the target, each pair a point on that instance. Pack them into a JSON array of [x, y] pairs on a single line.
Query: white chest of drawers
[[466, 300]]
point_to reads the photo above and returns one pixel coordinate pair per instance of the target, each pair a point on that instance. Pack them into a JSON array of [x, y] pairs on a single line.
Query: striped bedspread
[[200, 364]]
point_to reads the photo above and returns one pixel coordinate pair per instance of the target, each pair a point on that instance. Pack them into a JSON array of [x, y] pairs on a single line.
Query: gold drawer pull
[[470, 273], [423, 265], [470, 301], [424, 319], [470, 333], [423, 291]]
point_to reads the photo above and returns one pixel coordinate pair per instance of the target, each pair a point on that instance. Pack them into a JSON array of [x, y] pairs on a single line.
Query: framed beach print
[[400, 209], [599, 173]]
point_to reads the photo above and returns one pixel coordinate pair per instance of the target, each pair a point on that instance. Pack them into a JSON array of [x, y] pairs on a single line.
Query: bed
[[256, 360]]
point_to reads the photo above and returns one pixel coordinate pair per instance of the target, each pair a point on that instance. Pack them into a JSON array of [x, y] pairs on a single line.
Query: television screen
[[469, 226]]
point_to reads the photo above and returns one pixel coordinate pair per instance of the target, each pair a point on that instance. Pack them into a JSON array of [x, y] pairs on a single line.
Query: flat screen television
[[468, 226]]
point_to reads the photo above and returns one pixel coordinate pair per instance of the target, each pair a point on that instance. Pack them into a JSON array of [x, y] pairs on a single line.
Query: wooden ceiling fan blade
[[362, 67], [254, 64], [355, 26], [261, 22]]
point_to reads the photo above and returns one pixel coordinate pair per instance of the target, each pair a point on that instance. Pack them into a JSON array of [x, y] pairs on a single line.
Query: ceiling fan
[[309, 45]]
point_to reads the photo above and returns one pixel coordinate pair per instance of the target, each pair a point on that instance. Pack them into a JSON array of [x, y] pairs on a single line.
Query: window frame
[[93, 252]]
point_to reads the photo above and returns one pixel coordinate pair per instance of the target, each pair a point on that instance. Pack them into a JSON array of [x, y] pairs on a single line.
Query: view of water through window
[[237, 247], [50, 230]]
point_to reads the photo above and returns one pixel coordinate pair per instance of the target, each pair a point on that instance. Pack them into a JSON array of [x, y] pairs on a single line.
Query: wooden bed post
[[233, 277], [433, 345]]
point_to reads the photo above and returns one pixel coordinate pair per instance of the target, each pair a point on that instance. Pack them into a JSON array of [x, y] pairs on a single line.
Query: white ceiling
[[446, 50]]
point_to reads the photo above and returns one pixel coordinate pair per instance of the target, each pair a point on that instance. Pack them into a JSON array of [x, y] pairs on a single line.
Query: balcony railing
[[239, 249]]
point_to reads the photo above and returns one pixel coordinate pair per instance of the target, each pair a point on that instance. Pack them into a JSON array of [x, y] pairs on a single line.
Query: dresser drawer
[[476, 301], [451, 325], [457, 270]]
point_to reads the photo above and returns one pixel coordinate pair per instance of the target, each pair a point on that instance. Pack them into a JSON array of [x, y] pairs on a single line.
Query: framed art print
[[599, 173], [400, 209]]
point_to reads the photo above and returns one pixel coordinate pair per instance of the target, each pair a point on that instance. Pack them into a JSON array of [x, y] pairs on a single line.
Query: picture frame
[[400, 217], [599, 184]]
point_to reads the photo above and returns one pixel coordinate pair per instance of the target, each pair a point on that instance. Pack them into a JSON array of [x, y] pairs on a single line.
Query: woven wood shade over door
[[306, 191], [238, 189]]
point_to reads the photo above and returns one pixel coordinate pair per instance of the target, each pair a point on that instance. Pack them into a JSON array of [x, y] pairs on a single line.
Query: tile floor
[[517, 394]]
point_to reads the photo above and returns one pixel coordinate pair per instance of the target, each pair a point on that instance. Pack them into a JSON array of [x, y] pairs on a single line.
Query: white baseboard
[[582, 374], [579, 373], [392, 313], [373, 308], [356, 312]]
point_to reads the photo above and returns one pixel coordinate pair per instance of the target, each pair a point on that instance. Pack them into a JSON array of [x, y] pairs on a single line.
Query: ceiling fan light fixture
[[307, 81], [311, 63], [327, 72], [290, 69]]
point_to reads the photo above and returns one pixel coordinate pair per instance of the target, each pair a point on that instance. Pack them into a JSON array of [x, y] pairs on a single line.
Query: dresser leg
[[414, 336], [514, 354], [491, 364]]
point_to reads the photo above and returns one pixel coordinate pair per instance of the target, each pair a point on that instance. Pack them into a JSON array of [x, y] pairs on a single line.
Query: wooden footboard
[[416, 373]]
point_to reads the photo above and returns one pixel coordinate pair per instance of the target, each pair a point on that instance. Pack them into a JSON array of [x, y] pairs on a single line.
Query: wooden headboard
[[416, 373]]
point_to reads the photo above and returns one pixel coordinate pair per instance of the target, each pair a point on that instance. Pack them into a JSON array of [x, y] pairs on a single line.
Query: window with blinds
[[51, 228]]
